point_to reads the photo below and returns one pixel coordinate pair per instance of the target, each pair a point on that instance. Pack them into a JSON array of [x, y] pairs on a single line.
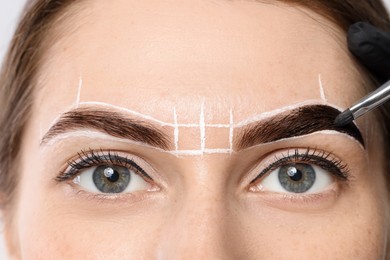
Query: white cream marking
[[322, 92], [79, 91], [99, 135], [126, 110], [95, 135], [198, 125], [202, 125], [201, 152], [250, 120], [265, 115], [176, 130], [322, 132], [218, 125]]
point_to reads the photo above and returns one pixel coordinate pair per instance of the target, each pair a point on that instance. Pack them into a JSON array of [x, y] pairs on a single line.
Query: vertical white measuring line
[[322, 93], [79, 91], [202, 126], [176, 129], [231, 124]]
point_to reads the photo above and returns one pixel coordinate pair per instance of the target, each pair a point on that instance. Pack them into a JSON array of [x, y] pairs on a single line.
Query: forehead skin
[[220, 51], [151, 56]]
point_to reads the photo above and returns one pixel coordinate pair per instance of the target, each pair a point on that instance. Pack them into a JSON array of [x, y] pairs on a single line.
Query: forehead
[[153, 56]]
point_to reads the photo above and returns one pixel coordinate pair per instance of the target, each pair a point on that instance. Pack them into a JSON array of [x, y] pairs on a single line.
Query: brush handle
[[371, 101]]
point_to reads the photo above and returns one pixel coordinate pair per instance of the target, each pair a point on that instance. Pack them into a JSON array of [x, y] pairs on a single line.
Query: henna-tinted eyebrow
[[301, 121], [109, 122]]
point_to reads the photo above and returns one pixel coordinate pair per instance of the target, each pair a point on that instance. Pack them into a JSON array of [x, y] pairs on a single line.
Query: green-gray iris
[[111, 178], [297, 177]]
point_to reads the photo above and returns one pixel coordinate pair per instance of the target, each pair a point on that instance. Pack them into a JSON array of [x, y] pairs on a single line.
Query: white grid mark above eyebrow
[[79, 91], [206, 125], [322, 92], [202, 134], [201, 125], [201, 152], [231, 126]]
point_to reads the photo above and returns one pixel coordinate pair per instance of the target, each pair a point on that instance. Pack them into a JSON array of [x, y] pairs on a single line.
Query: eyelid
[[91, 158], [325, 160]]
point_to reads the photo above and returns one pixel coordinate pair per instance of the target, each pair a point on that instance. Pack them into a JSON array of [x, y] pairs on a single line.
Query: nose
[[199, 230], [202, 225]]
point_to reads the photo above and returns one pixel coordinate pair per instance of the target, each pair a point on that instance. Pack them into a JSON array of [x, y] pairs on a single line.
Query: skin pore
[[203, 63]]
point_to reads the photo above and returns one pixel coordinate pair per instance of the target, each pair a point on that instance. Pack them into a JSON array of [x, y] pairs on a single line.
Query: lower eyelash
[[91, 158], [322, 159]]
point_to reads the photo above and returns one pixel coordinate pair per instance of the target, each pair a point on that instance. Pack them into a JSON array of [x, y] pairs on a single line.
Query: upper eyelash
[[323, 159], [91, 158]]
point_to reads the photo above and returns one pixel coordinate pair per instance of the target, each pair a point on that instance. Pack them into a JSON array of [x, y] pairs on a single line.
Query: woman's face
[[190, 129]]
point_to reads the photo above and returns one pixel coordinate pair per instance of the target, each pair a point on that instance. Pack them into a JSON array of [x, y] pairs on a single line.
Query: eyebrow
[[109, 122], [301, 121]]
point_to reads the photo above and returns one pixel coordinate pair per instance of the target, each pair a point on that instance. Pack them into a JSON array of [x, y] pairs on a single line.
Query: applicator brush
[[364, 105]]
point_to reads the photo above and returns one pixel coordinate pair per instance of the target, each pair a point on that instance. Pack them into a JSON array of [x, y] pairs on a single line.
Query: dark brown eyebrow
[[109, 122], [301, 121]]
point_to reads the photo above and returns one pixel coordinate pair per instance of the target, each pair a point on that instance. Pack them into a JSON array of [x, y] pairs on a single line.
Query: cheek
[[49, 228], [323, 235]]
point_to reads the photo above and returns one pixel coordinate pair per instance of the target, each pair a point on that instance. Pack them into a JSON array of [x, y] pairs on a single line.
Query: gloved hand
[[372, 48]]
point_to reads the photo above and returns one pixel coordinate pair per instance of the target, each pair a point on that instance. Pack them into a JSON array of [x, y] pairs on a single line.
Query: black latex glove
[[372, 48]]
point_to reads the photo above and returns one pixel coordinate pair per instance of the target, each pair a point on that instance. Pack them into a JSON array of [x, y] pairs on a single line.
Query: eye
[[299, 172], [110, 179], [107, 173], [297, 178]]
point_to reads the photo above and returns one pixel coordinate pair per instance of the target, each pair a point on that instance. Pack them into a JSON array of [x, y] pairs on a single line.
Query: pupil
[[111, 174], [114, 177], [294, 173]]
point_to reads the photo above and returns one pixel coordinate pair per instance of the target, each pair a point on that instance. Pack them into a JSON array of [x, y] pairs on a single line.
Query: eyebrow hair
[[109, 122], [301, 121]]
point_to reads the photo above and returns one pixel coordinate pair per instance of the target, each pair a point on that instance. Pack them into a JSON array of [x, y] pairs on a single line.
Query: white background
[[9, 13]]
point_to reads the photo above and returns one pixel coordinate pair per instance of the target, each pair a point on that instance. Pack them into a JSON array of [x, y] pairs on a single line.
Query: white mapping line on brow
[[176, 129], [250, 120], [322, 93], [202, 128], [202, 124], [290, 139], [265, 115], [105, 137], [255, 118], [201, 152], [79, 91], [147, 117], [119, 108], [197, 125], [94, 135]]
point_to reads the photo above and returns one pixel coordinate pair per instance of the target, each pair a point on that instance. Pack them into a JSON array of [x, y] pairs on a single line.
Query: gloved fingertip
[[356, 28]]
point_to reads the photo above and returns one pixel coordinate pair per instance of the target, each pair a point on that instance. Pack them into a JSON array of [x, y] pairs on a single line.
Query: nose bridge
[[197, 229], [199, 223]]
